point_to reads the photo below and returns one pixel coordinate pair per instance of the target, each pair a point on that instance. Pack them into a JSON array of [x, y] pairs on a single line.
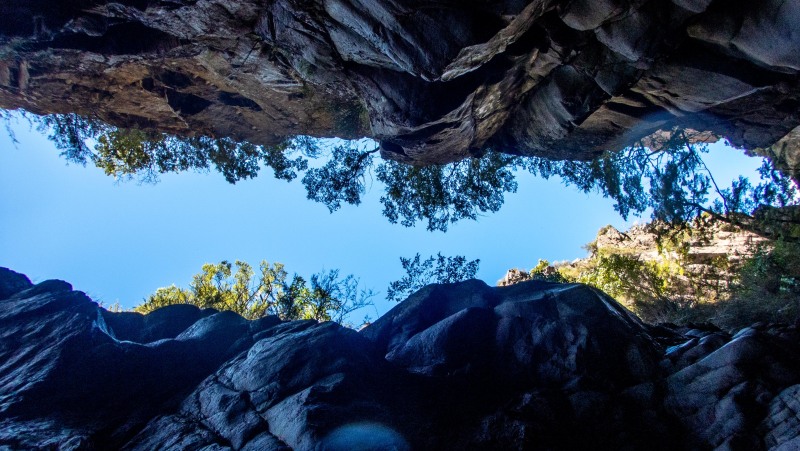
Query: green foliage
[[773, 269], [341, 179], [666, 176], [544, 271], [166, 296], [439, 195], [70, 132], [132, 152], [624, 277], [671, 288], [7, 117], [672, 181], [438, 269], [767, 289], [445, 194], [269, 292], [640, 284], [332, 297]]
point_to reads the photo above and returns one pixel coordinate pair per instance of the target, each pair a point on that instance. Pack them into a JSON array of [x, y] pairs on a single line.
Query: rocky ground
[[535, 365]]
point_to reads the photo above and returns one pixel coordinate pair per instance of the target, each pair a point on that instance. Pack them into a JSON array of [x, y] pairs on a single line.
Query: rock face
[[433, 82], [706, 241], [709, 253], [463, 366]]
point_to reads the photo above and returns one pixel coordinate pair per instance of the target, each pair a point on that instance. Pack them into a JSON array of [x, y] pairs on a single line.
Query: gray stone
[[12, 283], [434, 83], [533, 365], [782, 423], [456, 344]]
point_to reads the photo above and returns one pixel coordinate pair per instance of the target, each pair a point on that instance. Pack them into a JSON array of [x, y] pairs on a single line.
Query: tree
[[664, 174], [543, 271], [668, 282], [128, 153], [328, 297], [669, 177], [767, 287], [445, 194], [439, 269], [341, 179], [439, 195]]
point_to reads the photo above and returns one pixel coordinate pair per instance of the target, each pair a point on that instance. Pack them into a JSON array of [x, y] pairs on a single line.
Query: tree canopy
[[670, 283], [669, 177], [665, 175], [438, 269], [445, 194], [239, 288], [437, 195], [127, 153], [325, 297]]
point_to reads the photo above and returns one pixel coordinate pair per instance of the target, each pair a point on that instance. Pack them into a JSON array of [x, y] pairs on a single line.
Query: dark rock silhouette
[[462, 366], [434, 82]]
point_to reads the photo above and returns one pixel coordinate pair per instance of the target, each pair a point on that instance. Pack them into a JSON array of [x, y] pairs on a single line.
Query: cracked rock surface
[[434, 82], [535, 365]]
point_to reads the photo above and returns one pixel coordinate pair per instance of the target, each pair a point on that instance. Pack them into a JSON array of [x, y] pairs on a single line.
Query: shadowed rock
[[462, 366], [433, 82]]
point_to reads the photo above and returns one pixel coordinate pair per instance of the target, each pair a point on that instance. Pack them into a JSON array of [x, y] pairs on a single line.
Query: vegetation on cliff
[[552, 89], [667, 176], [664, 176], [706, 271]]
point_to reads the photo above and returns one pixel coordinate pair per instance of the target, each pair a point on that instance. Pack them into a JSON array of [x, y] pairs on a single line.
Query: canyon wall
[[433, 82]]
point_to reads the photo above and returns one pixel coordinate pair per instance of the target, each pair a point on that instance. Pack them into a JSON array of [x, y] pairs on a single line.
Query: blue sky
[[118, 242]]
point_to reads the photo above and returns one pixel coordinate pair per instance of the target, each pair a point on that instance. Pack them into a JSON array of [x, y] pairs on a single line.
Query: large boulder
[[532, 333], [535, 365], [66, 377]]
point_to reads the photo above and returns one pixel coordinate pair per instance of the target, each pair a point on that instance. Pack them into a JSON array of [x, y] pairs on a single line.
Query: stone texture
[[536, 365], [783, 420], [60, 362], [433, 82], [710, 251]]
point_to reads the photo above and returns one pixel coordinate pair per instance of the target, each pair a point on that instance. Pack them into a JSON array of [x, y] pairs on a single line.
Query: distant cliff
[[537, 365], [707, 271], [433, 82], [711, 250]]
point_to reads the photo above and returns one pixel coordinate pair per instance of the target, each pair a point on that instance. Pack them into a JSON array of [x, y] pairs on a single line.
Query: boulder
[[535, 365]]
